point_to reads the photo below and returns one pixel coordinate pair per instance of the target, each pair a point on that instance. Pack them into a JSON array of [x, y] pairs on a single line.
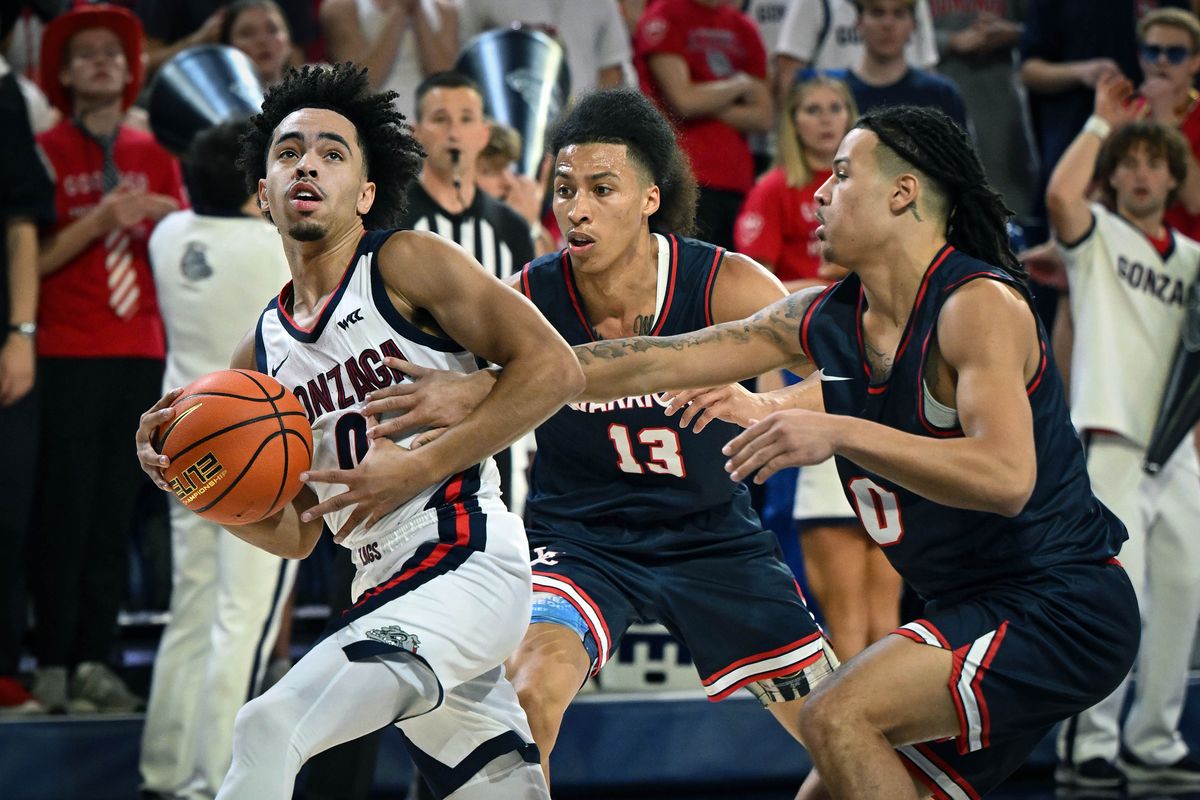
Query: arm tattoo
[[642, 325], [778, 323]]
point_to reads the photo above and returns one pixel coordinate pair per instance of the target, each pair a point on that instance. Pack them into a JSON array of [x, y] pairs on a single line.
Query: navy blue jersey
[[946, 552], [625, 462]]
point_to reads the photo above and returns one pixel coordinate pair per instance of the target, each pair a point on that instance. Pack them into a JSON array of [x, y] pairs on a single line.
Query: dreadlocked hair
[[932, 143], [625, 116], [391, 156]]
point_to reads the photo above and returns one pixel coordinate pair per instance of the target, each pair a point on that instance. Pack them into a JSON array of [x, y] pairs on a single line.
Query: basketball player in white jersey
[[1129, 276], [443, 584]]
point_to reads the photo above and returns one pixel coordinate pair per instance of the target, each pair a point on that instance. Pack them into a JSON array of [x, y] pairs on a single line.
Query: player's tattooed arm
[[731, 351]]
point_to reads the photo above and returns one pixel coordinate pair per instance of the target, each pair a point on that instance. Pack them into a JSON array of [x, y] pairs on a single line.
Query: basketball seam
[[286, 452], [232, 427], [246, 468]]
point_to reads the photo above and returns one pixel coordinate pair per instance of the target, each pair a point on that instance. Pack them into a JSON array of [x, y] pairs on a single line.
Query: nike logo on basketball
[[822, 376], [351, 318], [279, 366]]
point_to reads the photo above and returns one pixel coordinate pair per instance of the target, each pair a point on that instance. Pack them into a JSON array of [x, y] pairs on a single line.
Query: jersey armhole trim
[[1086, 235], [718, 260], [808, 315], [387, 310]]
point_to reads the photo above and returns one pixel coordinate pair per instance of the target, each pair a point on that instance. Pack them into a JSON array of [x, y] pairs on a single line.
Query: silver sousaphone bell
[[525, 83], [1180, 408], [198, 88]]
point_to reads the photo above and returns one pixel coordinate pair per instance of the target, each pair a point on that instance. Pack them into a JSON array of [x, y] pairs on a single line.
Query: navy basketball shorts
[[1026, 655], [727, 596]]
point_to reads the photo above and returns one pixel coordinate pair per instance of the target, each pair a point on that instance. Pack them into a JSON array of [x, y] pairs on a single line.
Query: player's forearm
[[965, 472], [527, 391], [283, 534]]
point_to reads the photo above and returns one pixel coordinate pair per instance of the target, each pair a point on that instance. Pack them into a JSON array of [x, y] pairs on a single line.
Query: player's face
[[1142, 182], [451, 119], [602, 203], [821, 119], [886, 26], [94, 66], [261, 33], [1166, 52], [315, 180], [853, 204]]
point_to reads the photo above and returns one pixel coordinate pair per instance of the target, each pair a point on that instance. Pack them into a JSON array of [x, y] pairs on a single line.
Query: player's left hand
[[386, 478], [733, 403], [784, 439], [431, 398]]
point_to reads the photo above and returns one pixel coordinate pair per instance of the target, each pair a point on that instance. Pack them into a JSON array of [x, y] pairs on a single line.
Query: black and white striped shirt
[[493, 233]]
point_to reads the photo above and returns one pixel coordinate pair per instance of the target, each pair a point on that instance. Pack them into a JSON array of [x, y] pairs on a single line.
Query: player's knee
[[821, 720], [544, 706], [264, 722]]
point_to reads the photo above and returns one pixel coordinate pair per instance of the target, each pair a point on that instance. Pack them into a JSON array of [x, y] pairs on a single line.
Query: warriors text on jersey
[[625, 461], [333, 364], [946, 552]]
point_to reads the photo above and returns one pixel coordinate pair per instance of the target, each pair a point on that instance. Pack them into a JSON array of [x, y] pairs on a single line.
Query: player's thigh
[[896, 686], [551, 662], [838, 555]]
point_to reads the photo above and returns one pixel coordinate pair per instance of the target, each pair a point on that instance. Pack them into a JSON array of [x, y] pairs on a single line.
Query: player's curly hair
[[625, 116], [932, 143], [391, 156]]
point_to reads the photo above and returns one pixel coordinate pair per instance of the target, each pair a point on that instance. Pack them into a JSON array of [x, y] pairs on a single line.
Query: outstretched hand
[[431, 398], [733, 403], [386, 478], [784, 439]]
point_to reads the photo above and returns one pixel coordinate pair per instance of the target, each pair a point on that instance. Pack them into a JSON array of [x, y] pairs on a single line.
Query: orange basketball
[[237, 446]]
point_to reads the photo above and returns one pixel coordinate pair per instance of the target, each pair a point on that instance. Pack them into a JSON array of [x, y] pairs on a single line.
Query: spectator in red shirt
[[100, 350], [704, 63], [777, 226]]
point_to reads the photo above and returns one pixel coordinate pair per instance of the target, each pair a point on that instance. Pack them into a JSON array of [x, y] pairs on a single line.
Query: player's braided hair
[[929, 141], [625, 116], [391, 156]]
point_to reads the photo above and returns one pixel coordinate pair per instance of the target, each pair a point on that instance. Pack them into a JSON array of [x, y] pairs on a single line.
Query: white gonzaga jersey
[[331, 367], [1127, 303]]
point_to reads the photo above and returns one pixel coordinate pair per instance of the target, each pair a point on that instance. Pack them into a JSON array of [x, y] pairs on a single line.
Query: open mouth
[[304, 197], [579, 242]]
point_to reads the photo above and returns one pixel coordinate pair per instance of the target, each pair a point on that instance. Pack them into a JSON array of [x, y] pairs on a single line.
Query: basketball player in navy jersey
[[631, 517], [442, 587], [953, 441]]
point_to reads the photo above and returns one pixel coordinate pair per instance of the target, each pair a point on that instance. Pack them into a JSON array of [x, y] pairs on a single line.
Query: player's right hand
[[152, 461], [733, 403], [432, 398]]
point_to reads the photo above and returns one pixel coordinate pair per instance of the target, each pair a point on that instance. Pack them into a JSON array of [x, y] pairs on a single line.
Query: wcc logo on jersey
[[351, 318], [197, 478]]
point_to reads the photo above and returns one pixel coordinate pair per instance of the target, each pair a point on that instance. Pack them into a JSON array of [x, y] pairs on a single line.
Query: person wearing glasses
[[1169, 51]]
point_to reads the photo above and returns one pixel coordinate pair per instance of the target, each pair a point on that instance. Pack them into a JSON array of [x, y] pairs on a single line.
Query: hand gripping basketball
[[231, 448]]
